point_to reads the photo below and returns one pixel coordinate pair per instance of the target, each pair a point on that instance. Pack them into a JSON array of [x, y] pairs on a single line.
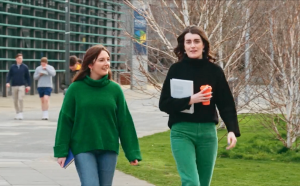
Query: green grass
[[256, 143], [259, 159]]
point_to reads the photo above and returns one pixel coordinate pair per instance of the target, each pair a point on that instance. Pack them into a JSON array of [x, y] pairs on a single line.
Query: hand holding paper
[[182, 89]]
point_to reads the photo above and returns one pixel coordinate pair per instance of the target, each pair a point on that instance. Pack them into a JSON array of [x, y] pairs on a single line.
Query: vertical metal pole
[[3, 87], [67, 42], [4, 75]]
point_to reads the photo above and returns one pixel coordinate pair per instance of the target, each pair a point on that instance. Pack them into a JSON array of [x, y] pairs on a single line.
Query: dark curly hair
[[193, 29]]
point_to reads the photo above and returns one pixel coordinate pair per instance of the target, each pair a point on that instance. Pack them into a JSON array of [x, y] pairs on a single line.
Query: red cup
[[206, 91]]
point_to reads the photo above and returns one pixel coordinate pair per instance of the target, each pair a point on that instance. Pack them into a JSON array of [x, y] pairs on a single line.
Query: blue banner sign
[[140, 33]]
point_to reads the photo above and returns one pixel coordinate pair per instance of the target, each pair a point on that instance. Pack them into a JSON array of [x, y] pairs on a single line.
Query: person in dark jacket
[[74, 67], [19, 77], [194, 140]]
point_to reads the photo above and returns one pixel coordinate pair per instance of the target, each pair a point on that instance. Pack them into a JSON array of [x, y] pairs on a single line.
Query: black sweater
[[202, 72]]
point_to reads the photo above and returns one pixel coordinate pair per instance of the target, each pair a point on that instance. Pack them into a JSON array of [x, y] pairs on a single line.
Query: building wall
[[36, 28]]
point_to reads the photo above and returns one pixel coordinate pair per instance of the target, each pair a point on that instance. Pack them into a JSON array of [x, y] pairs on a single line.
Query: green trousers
[[194, 147]]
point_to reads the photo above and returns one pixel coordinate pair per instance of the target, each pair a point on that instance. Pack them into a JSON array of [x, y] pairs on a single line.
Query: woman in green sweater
[[93, 117]]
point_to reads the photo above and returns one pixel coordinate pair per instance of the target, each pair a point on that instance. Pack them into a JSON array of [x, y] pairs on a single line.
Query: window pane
[[11, 54], [26, 21], [61, 46], [61, 55], [28, 54], [73, 46], [27, 42], [2, 43], [82, 10], [73, 8], [51, 4], [39, 54], [61, 36], [13, 9], [50, 43], [38, 43], [73, 27], [61, 26], [91, 39], [73, 37], [1, 18], [51, 24], [39, 2], [12, 42], [52, 55], [38, 22], [27, 1]]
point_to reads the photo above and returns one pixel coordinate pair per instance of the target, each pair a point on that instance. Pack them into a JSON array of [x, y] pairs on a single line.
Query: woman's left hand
[[134, 162], [231, 139]]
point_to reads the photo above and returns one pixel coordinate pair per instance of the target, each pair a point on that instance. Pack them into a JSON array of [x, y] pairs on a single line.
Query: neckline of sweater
[[97, 83], [195, 61]]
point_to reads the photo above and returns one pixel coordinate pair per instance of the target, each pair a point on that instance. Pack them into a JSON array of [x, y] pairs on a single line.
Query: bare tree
[[223, 20], [280, 50], [254, 39]]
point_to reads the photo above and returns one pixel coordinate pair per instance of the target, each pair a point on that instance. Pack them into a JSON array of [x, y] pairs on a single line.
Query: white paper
[[181, 89]]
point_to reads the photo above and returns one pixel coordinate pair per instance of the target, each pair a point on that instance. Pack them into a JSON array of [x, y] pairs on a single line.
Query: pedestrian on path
[[194, 140], [44, 74], [93, 117], [74, 67], [19, 77]]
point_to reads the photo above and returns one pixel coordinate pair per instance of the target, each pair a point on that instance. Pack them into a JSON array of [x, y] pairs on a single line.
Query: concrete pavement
[[26, 146]]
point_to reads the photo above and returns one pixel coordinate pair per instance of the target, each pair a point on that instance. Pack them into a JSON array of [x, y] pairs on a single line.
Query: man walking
[[19, 77], [44, 74]]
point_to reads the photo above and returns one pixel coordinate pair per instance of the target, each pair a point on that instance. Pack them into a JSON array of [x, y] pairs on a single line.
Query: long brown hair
[[193, 29], [90, 57]]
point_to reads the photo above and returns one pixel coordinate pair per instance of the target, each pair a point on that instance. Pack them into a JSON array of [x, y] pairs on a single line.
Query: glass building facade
[[36, 28]]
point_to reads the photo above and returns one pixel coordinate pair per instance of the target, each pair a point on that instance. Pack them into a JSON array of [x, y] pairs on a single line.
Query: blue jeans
[[96, 168]]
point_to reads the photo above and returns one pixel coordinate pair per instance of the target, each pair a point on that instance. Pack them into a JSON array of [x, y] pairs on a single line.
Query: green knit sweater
[[94, 115]]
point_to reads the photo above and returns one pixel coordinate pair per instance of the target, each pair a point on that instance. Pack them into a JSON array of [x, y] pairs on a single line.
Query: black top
[[18, 75], [202, 72]]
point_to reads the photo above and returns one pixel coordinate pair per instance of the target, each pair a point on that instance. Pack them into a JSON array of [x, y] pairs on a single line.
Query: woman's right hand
[[134, 162], [200, 97], [61, 161]]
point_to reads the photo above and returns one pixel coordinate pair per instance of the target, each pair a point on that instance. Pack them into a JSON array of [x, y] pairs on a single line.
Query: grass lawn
[[258, 160]]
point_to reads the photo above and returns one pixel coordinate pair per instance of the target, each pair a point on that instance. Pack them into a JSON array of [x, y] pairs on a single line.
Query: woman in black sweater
[[193, 136]]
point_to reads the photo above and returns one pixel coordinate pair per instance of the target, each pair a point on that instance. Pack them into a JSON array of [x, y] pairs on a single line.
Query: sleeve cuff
[[134, 155], [61, 151], [233, 127], [187, 100]]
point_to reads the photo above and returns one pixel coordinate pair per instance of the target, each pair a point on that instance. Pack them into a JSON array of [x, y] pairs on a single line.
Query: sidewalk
[[26, 146]]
